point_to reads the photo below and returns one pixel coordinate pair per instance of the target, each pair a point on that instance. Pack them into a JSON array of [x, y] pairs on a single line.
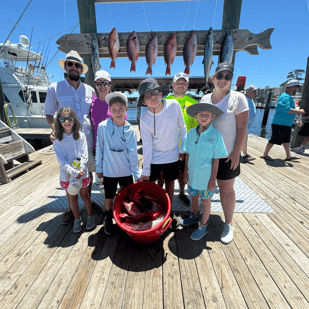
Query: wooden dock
[[45, 265]]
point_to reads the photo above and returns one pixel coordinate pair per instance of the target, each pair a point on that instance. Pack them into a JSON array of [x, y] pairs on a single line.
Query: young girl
[[116, 153], [70, 144]]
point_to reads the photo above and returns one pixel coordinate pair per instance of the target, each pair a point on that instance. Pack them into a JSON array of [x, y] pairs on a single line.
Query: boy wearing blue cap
[[204, 146]]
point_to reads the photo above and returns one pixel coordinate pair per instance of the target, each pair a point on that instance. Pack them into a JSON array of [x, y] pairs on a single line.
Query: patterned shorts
[[65, 184], [205, 194]]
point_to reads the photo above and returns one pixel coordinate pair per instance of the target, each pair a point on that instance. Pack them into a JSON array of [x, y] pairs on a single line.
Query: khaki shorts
[[91, 160]]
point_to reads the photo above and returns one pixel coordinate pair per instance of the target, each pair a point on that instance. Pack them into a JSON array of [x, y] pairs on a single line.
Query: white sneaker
[[301, 148], [227, 234]]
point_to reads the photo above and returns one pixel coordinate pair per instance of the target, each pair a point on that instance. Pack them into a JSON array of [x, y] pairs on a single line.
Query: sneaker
[[90, 223], [301, 148], [200, 232], [68, 217], [227, 234], [247, 158], [184, 198], [95, 207], [191, 220], [108, 225], [77, 227]]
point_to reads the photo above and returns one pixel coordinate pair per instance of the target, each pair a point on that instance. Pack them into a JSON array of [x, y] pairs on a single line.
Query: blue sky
[[290, 39]]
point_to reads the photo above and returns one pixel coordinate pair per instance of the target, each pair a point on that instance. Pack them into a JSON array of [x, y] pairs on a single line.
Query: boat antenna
[[15, 25], [29, 49], [39, 65], [57, 51], [47, 55]]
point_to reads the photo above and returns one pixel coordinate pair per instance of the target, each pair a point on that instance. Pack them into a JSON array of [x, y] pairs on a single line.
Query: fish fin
[[187, 70], [212, 63], [168, 70], [113, 64], [149, 70], [133, 68], [136, 57]]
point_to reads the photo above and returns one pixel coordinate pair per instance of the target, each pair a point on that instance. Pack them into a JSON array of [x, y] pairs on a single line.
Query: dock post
[[88, 24], [267, 107], [231, 16], [297, 140]]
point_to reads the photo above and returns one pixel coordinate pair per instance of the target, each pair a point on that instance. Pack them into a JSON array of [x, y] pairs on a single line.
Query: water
[[255, 128]]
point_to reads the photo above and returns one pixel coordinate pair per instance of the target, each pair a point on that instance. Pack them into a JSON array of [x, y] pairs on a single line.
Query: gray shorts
[[91, 160]]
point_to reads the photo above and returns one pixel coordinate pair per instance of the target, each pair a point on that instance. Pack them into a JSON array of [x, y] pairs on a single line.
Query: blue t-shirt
[[252, 111], [284, 105], [210, 146]]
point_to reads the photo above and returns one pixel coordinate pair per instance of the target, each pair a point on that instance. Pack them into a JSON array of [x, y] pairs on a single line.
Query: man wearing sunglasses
[[71, 92], [180, 86], [281, 126]]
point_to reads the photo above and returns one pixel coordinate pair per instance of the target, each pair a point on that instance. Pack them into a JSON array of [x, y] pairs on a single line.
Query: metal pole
[[267, 107]]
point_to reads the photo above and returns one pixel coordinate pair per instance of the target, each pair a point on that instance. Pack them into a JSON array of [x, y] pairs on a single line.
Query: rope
[[110, 11], [145, 16], [196, 12], [15, 121], [186, 16], [48, 151], [65, 18], [129, 17], [213, 21]]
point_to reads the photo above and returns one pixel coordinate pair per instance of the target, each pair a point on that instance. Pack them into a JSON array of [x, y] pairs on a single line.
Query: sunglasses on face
[[152, 93], [104, 83], [64, 119], [227, 77], [77, 65]]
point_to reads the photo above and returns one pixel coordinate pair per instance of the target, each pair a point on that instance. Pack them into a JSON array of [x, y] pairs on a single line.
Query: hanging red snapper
[[113, 46], [189, 51], [133, 49], [151, 53], [170, 50]]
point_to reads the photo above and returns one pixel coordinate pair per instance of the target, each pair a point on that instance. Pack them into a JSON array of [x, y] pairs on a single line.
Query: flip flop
[[268, 158], [292, 159]]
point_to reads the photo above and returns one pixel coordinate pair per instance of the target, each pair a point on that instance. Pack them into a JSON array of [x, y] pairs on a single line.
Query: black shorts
[[181, 165], [170, 171], [225, 172], [304, 130], [280, 134], [110, 184]]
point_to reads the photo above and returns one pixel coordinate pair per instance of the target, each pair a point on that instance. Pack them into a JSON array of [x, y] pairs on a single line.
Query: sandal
[[292, 159], [268, 158]]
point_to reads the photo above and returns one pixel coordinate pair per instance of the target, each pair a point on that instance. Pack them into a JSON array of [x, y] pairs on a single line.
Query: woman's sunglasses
[[104, 83], [152, 93], [123, 138], [227, 77], [77, 65], [64, 119]]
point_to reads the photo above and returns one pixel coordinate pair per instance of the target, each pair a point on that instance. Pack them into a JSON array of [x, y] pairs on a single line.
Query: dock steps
[[22, 168]]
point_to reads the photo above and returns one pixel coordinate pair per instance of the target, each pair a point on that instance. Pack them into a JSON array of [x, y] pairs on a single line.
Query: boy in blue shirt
[[204, 146]]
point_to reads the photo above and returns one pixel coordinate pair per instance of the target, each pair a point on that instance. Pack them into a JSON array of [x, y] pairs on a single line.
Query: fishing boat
[[24, 82]]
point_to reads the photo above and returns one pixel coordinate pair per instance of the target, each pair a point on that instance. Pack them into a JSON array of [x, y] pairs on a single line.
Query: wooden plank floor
[[45, 265]]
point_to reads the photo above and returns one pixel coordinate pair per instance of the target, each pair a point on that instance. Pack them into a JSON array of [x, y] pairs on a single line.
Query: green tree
[[296, 74]]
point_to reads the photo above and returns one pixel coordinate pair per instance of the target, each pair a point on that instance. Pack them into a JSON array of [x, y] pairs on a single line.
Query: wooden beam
[[88, 24], [231, 18], [243, 40]]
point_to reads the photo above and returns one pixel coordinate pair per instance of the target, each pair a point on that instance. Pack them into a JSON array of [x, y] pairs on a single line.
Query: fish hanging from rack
[[151, 53], [133, 49], [189, 51], [226, 54], [113, 47], [95, 56], [208, 52], [170, 50]]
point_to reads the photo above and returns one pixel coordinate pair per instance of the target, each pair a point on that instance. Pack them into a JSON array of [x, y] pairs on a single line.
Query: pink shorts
[[65, 184]]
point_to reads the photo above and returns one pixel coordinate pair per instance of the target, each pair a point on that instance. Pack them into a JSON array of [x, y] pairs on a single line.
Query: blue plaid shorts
[[205, 194]]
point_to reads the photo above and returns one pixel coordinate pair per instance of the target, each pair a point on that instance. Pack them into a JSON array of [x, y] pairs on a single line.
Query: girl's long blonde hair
[[59, 128]]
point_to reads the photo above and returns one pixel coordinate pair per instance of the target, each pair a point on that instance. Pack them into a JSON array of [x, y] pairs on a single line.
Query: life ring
[[15, 121]]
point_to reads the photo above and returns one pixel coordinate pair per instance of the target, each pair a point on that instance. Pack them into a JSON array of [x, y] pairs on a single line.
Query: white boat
[[24, 82]]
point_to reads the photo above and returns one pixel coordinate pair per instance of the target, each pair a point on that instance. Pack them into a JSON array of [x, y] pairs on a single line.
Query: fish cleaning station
[[43, 264]]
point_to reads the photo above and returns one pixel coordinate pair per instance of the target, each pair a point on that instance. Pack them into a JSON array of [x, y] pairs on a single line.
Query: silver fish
[[208, 54], [95, 56], [189, 51], [151, 53], [226, 54], [133, 49], [113, 47]]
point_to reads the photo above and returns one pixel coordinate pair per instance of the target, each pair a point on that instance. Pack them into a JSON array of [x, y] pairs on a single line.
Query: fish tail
[[168, 70], [187, 70], [133, 68], [149, 70], [113, 64]]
